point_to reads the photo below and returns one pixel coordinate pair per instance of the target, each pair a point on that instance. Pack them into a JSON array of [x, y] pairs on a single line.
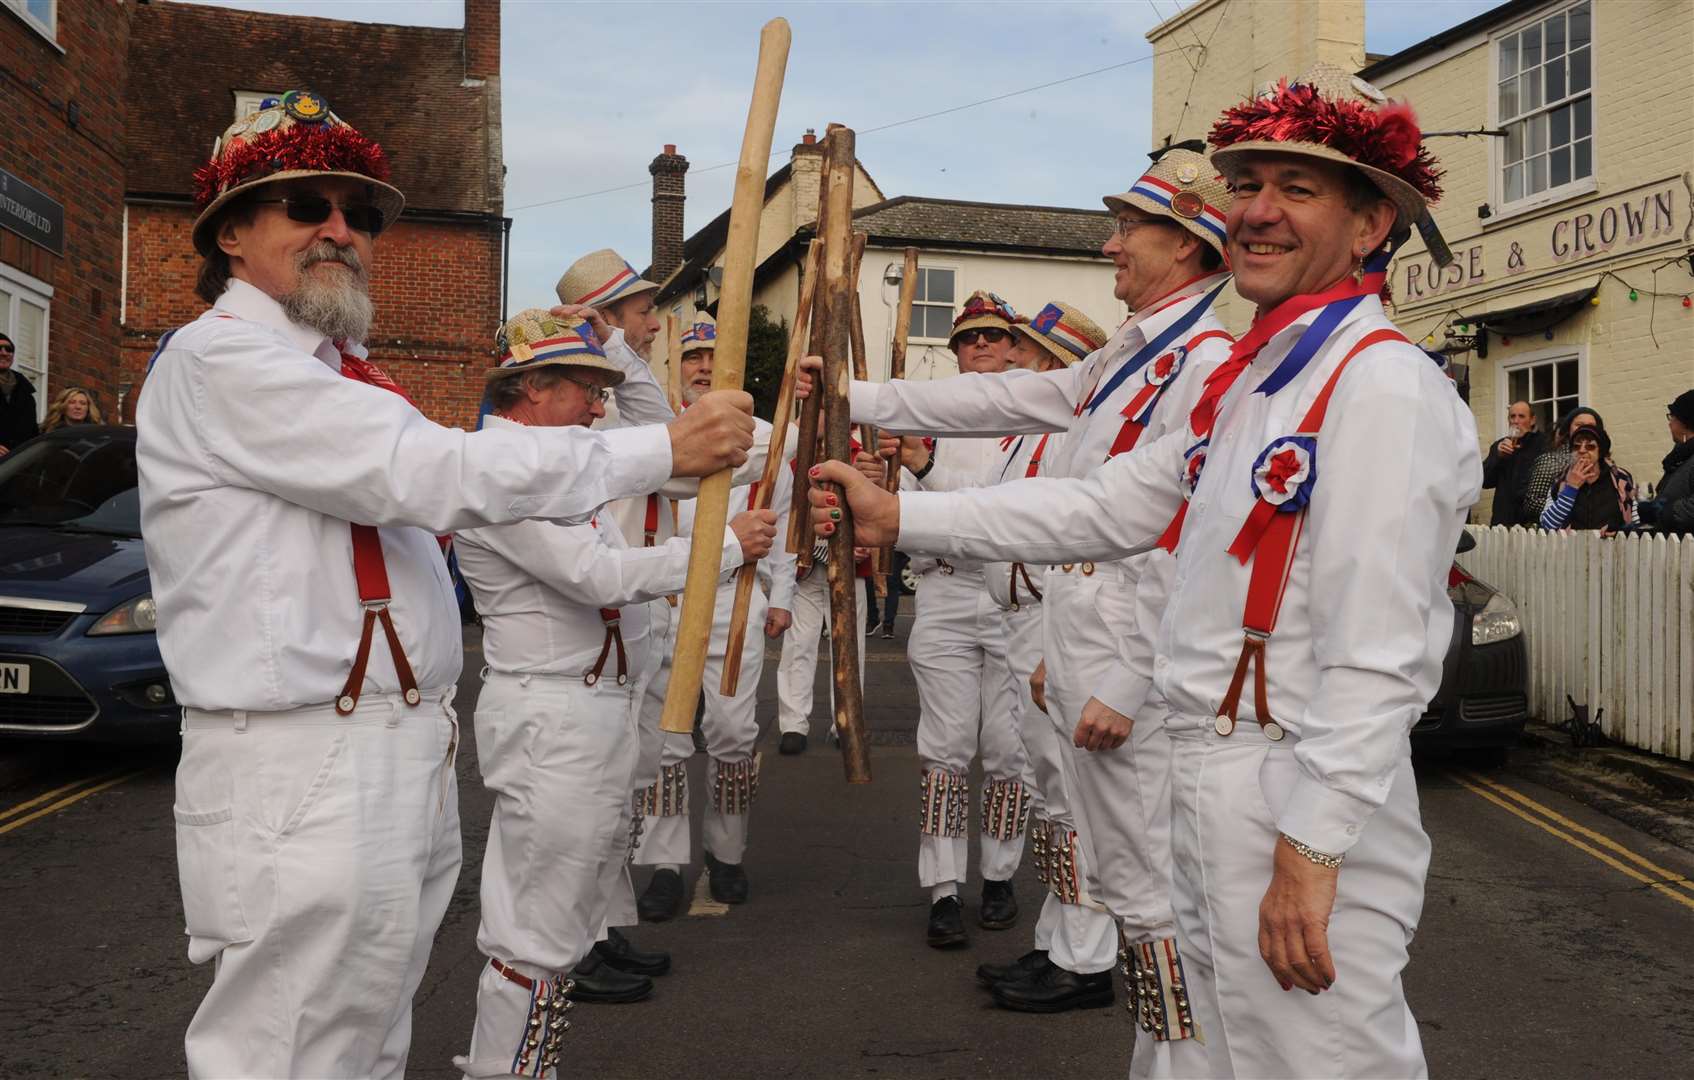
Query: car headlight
[[1497, 621], [138, 616]]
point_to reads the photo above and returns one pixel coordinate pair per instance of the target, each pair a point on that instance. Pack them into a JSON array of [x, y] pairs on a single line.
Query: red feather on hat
[[316, 147], [1386, 138]]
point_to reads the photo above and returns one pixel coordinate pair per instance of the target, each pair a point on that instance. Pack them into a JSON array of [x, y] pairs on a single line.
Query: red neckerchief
[[1266, 326]]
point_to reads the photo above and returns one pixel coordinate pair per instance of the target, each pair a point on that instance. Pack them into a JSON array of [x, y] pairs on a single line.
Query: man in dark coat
[[1506, 469], [1673, 510], [17, 401]]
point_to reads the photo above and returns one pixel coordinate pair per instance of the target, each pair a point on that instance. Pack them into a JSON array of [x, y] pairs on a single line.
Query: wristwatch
[[919, 474], [1327, 861]]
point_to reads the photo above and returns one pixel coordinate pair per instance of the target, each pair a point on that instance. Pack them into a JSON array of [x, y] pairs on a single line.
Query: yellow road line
[[1624, 868], [39, 799], [62, 803], [1670, 876]]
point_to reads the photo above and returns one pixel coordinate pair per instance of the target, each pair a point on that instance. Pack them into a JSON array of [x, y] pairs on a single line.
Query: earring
[[1358, 272]]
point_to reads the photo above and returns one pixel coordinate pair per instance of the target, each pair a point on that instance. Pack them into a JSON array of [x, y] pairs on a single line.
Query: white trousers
[[731, 727], [1078, 937], [317, 854], [1122, 795], [797, 671], [557, 756], [957, 650], [1228, 793]]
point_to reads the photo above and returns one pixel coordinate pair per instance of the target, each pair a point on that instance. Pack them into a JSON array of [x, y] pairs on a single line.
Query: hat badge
[[305, 106], [1187, 172], [1187, 204]]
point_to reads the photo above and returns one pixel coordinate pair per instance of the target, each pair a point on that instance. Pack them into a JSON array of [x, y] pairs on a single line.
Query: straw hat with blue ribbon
[[536, 338]]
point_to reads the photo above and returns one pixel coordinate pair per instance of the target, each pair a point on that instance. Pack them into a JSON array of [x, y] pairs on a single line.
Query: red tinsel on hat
[[1387, 138], [315, 147]]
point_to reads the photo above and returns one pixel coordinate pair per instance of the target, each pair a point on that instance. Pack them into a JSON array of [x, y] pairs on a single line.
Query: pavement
[[1553, 941]]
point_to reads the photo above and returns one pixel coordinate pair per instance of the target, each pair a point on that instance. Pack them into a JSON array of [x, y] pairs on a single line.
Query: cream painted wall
[[1635, 357]]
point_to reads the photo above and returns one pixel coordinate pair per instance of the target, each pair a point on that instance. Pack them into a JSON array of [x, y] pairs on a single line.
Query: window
[[247, 101], [1551, 385], [42, 15], [1544, 101], [24, 303], [932, 305]]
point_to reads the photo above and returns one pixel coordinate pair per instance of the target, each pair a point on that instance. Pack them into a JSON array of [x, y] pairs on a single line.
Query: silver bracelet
[[1329, 862]]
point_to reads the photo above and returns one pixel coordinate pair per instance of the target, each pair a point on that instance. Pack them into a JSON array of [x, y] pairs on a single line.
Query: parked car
[[1483, 702], [79, 658]]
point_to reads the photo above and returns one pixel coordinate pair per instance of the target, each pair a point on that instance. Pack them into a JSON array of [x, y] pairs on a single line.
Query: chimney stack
[[482, 39], [806, 174], [667, 169]]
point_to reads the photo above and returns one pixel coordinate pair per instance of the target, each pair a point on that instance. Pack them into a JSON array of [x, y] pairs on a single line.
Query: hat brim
[[1114, 203], [1064, 356], [978, 322], [1408, 201], [589, 363], [387, 197]]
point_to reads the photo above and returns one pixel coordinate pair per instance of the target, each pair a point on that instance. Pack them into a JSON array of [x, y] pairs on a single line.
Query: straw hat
[[983, 311], [1064, 331], [1332, 115], [289, 137], [1183, 187], [699, 337], [599, 278], [536, 338]]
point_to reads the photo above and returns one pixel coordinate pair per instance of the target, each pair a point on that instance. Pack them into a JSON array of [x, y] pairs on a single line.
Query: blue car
[[79, 658]]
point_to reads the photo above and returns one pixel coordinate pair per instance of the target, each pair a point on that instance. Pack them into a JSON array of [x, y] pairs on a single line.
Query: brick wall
[[436, 287], [79, 165]]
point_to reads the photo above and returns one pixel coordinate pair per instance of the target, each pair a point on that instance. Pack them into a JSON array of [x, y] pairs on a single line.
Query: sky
[[592, 91]]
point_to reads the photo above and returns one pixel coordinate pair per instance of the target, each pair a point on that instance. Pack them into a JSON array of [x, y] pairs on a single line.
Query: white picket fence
[[1609, 622]]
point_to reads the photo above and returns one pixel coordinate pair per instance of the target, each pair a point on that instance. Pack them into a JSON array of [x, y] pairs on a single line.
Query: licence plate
[[14, 678]]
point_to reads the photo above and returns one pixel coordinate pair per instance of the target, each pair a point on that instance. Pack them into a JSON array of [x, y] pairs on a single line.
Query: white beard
[[341, 311]]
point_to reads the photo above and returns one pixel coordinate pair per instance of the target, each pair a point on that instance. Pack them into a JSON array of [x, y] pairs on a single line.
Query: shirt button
[[1352, 830], [1162, 663]]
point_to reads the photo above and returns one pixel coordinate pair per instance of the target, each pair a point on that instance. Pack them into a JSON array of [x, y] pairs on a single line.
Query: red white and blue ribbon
[[621, 280], [1050, 323], [569, 344], [1151, 187], [701, 336], [1155, 347]]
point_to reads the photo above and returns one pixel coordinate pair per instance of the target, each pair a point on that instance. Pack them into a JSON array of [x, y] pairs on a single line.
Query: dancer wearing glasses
[[290, 497], [958, 656]]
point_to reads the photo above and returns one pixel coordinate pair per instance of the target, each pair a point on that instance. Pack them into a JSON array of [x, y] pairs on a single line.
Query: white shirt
[[776, 570], [254, 453], [540, 586], [1017, 456], [1022, 401], [1366, 619]]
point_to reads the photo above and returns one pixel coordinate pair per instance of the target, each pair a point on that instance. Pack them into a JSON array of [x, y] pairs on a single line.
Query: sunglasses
[[7, 349], [597, 395], [314, 210], [990, 335]]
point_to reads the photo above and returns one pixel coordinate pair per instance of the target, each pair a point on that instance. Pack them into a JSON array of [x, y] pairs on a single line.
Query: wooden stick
[[673, 393], [748, 574], [806, 439], [856, 336], [729, 362], [897, 370], [836, 295]]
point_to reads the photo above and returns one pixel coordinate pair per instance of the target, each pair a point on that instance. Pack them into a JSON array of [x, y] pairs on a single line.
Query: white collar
[[246, 301]]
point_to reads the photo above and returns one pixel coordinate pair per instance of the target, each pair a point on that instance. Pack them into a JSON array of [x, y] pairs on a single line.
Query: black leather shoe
[[793, 742], [947, 923], [999, 906], [618, 952], [1054, 989], [1021, 968], [599, 983], [888, 630], [727, 882], [662, 898]]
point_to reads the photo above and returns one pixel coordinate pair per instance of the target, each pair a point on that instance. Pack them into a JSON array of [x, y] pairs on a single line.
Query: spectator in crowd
[[1595, 494], [73, 406], [17, 401], [1673, 510], [1554, 462], [1509, 462]]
